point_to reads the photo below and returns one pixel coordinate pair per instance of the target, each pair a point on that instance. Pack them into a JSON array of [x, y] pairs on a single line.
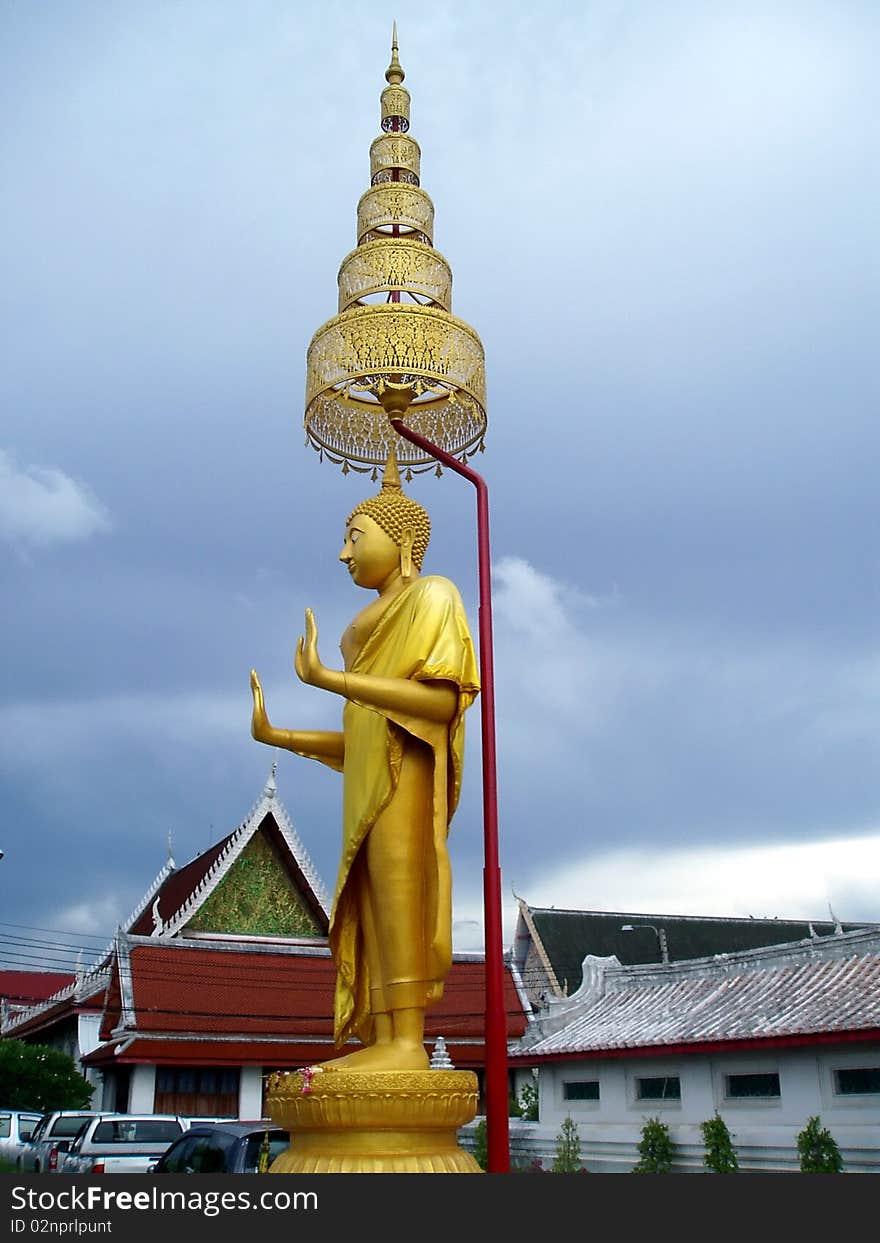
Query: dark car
[[223, 1148]]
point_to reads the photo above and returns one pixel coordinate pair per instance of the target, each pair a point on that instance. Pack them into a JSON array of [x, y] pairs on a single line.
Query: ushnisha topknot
[[393, 511]]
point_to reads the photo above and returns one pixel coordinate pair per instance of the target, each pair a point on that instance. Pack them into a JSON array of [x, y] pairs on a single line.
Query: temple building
[[222, 974], [767, 1038]]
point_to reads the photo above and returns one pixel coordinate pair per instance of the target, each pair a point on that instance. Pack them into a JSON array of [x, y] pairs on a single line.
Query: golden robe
[[423, 634]]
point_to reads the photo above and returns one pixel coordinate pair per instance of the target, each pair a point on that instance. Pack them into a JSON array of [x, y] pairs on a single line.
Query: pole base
[[373, 1122]]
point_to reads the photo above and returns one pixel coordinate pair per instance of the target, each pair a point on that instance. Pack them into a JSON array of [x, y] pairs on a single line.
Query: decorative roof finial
[[394, 73], [270, 789]]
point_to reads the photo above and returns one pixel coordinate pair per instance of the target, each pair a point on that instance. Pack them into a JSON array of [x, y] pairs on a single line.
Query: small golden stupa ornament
[[395, 349]]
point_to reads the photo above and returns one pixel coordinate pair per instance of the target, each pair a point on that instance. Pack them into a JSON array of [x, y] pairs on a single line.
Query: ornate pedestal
[[373, 1122]]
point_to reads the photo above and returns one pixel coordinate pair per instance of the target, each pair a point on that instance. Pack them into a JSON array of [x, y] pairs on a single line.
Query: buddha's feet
[[393, 1055]]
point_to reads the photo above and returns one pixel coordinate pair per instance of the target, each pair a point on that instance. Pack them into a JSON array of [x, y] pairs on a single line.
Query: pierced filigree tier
[[373, 1122], [353, 356], [358, 436], [396, 263], [394, 151], [395, 104], [395, 345], [391, 204], [396, 175]]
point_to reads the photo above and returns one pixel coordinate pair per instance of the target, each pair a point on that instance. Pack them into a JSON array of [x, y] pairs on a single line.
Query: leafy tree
[[568, 1149], [36, 1076], [818, 1150], [655, 1149], [719, 1156]]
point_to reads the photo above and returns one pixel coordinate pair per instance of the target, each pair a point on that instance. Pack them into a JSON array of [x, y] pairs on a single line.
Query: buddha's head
[[392, 526]]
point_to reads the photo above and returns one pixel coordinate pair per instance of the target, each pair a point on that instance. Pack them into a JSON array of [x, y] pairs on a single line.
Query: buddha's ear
[[407, 536]]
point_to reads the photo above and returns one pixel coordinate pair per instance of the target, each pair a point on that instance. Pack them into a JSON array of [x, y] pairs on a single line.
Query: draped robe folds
[[423, 634]]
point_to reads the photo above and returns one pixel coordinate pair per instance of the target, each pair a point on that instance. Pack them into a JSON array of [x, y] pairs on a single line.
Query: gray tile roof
[[807, 990], [568, 936]]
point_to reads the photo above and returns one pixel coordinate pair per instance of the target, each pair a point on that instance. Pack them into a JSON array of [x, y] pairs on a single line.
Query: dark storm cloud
[[659, 222]]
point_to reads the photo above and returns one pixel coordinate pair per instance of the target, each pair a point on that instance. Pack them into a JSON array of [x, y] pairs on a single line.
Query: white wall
[[764, 1131], [142, 1093], [250, 1092], [89, 1025]]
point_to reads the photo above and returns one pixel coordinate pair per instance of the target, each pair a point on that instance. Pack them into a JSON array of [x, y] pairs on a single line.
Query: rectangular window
[[196, 1092], [581, 1090], [858, 1081], [277, 1145], [166, 1080], [751, 1087], [67, 1127], [659, 1088], [136, 1131]]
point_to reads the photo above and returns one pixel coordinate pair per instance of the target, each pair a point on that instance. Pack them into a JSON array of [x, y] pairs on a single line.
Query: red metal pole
[[497, 1119]]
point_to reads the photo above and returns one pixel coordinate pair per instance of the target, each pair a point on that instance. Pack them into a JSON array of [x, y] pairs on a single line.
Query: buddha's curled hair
[[393, 511]]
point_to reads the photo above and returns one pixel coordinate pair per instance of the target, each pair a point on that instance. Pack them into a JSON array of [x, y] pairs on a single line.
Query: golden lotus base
[[373, 1122]]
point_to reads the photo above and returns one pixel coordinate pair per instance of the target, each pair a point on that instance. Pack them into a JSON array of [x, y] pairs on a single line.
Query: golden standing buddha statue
[[409, 675]]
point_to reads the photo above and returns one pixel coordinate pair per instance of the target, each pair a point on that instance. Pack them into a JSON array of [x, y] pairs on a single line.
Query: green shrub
[[568, 1149], [655, 1148], [719, 1156], [481, 1144], [818, 1150]]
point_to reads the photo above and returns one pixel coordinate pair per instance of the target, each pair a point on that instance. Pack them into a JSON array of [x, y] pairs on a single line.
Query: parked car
[[121, 1143], [50, 1140], [222, 1148], [16, 1127], [193, 1120]]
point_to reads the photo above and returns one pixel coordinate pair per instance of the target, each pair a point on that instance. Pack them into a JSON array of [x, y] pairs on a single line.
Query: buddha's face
[[371, 557]]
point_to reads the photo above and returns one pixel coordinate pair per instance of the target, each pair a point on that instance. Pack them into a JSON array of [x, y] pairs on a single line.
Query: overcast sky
[[662, 221]]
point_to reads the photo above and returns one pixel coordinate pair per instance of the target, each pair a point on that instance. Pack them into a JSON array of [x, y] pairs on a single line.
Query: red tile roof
[[188, 988], [273, 1055], [26, 987], [277, 1055], [178, 886], [77, 996]]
